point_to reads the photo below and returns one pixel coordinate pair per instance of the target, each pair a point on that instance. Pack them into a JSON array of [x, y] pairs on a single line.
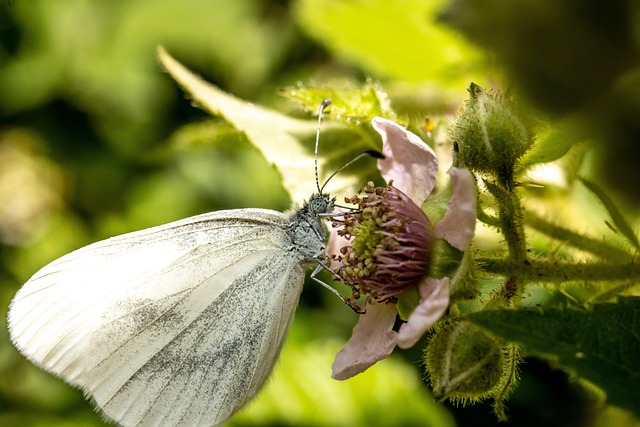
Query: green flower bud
[[464, 362], [490, 134]]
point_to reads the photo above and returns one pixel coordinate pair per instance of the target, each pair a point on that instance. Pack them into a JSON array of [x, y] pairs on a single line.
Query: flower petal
[[434, 300], [459, 222], [373, 339], [409, 161]]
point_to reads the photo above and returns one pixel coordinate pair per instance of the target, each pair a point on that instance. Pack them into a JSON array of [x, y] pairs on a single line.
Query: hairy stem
[[556, 271], [512, 228]]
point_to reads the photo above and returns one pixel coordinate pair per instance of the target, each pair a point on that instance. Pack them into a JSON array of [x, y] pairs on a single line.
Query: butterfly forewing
[[231, 349], [175, 325]]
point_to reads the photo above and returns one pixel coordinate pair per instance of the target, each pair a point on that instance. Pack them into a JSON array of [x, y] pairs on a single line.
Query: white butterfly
[[178, 324]]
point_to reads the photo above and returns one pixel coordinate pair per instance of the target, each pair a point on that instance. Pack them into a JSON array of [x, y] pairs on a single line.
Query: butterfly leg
[[348, 301]]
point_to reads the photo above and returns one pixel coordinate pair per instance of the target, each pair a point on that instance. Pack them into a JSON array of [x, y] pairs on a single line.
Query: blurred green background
[[95, 140]]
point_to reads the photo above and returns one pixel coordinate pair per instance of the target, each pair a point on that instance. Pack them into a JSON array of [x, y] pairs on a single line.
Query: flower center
[[391, 240]]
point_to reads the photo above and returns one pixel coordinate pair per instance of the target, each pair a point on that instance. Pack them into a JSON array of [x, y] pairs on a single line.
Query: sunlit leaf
[[286, 142], [360, 103], [390, 38]]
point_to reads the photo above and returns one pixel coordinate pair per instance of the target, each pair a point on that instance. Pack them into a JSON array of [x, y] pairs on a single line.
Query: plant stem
[[512, 228], [557, 271]]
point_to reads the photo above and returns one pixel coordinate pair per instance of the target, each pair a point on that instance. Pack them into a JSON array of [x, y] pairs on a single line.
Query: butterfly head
[[321, 204]]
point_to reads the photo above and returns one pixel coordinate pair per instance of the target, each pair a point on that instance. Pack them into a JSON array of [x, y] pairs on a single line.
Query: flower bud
[[465, 363], [490, 134]]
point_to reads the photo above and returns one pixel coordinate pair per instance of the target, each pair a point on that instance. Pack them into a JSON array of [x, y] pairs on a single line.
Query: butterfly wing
[[175, 325]]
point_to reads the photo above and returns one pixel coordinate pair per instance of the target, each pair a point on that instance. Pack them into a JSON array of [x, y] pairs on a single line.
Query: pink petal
[[373, 339], [409, 162], [459, 222], [434, 300]]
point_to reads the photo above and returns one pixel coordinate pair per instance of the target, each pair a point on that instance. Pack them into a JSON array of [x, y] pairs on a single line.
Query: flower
[[390, 251], [392, 248]]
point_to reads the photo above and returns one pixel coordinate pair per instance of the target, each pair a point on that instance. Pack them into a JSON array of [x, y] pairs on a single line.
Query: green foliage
[[396, 40], [445, 259], [284, 141], [551, 144], [600, 344], [551, 69], [96, 142], [99, 56], [573, 59], [347, 103], [475, 134], [391, 395]]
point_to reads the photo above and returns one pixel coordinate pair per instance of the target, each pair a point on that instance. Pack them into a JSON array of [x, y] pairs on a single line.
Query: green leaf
[[349, 103], [396, 39], [601, 345], [618, 219], [286, 142]]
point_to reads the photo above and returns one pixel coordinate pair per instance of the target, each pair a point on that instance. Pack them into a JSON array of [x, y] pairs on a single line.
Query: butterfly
[[179, 324]]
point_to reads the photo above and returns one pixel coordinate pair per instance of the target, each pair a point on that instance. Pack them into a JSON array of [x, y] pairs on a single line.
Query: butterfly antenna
[[370, 153], [323, 106]]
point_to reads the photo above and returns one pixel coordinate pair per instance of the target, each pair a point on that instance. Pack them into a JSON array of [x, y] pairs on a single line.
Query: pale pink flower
[[401, 255]]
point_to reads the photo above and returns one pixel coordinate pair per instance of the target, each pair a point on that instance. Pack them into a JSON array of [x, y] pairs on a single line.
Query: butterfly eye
[[319, 204]]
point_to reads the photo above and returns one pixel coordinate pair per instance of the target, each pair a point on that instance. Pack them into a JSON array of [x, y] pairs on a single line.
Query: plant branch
[[510, 219], [556, 271], [512, 228]]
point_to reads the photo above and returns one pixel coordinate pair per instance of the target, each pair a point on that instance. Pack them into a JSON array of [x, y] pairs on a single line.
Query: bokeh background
[[96, 140]]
